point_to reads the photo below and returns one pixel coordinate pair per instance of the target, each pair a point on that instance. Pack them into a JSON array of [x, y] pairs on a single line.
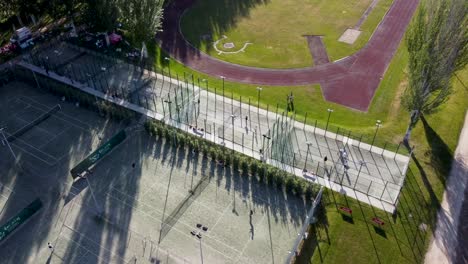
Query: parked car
[[22, 38]]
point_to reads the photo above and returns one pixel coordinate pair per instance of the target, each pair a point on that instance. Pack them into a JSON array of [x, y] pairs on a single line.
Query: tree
[[142, 18], [102, 14], [437, 45]]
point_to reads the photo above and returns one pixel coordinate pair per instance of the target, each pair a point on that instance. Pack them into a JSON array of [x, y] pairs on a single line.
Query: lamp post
[[169, 105], [233, 117], [265, 136], [328, 119], [307, 155], [206, 87], [259, 89], [168, 65], [377, 126], [222, 77], [361, 163]]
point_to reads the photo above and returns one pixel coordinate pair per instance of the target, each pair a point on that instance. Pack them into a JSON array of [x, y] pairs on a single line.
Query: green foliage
[[437, 45], [264, 172], [142, 18]]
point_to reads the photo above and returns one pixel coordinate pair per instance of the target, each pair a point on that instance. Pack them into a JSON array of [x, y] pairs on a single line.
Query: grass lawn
[[276, 28], [435, 141], [357, 241], [309, 99]]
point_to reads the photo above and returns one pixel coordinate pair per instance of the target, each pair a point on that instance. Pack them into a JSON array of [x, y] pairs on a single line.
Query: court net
[[34, 123], [172, 219]]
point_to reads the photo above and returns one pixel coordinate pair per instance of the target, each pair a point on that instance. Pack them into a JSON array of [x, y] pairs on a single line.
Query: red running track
[[351, 81]]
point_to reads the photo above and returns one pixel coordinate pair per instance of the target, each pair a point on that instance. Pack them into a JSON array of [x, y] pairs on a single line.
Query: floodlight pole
[[206, 112], [328, 120], [168, 66], [222, 77], [377, 126], [259, 89], [6, 141], [361, 163], [233, 117], [307, 155]]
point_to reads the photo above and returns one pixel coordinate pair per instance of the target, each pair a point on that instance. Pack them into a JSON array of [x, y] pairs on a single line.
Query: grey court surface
[[147, 214], [337, 158]]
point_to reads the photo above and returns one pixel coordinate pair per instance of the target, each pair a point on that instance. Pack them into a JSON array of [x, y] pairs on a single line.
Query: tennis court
[[46, 141], [247, 222], [150, 210]]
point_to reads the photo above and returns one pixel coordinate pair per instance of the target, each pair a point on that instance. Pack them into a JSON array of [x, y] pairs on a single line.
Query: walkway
[[450, 238], [351, 81]]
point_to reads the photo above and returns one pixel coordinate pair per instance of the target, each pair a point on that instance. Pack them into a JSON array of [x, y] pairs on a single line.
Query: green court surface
[[276, 29], [149, 212], [153, 200]]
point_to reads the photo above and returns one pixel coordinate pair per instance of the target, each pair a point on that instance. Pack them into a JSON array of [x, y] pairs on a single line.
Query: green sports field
[[276, 28]]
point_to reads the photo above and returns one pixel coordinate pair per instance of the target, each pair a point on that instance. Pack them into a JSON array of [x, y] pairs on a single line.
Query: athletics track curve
[[351, 81]]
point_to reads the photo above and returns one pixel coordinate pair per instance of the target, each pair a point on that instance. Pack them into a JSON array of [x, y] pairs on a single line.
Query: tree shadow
[[219, 17], [32, 178], [441, 155]]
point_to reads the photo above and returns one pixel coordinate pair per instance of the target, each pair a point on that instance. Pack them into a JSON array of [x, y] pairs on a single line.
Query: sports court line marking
[[177, 230], [58, 113], [29, 153], [248, 240], [219, 218], [36, 126], [55, 137]]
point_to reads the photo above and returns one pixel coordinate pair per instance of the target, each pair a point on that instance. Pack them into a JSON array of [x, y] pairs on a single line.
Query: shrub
[[244, 165], [235, 161], [253, 166]]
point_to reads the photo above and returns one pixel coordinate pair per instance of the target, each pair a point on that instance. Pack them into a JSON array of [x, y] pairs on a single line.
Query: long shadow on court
[[31, 178]]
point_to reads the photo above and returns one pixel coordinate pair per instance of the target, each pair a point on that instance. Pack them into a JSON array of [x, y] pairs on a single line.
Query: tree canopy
[[437, 46]]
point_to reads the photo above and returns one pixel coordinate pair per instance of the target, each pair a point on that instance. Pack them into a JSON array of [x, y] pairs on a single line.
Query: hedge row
[[263, 172]]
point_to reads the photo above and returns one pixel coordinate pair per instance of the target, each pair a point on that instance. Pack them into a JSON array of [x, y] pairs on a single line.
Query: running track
[[351, 81]]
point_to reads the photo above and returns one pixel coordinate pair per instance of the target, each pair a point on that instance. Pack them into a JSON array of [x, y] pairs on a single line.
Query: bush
[[253, 166], [265, 173], [244, 165], [235, 161], [290, 184]]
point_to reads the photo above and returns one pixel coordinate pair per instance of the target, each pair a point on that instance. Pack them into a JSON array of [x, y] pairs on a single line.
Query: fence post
[[396, 152]]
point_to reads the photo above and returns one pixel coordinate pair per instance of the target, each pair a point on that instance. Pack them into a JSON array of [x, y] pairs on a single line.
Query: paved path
[[351, 81], [450, 238]]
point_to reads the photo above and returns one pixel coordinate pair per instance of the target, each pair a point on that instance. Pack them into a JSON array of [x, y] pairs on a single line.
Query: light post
[[377, 126], [233, 117], [169, 105], [259, 89], [265, 136], [307, 155], [361, 163], [206, 87], [328, 120], [168, 66], [222, 77], [5, 141]]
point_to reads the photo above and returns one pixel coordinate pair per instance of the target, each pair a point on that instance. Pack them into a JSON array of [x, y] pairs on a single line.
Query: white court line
[[177, 230], [222, 214], [32, 155], [248, 240], [59, 113], [36, 126], [55, 137]]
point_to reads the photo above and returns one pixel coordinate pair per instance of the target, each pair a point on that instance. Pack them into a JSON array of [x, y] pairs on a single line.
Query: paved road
[[450, 243], [351, 81]]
